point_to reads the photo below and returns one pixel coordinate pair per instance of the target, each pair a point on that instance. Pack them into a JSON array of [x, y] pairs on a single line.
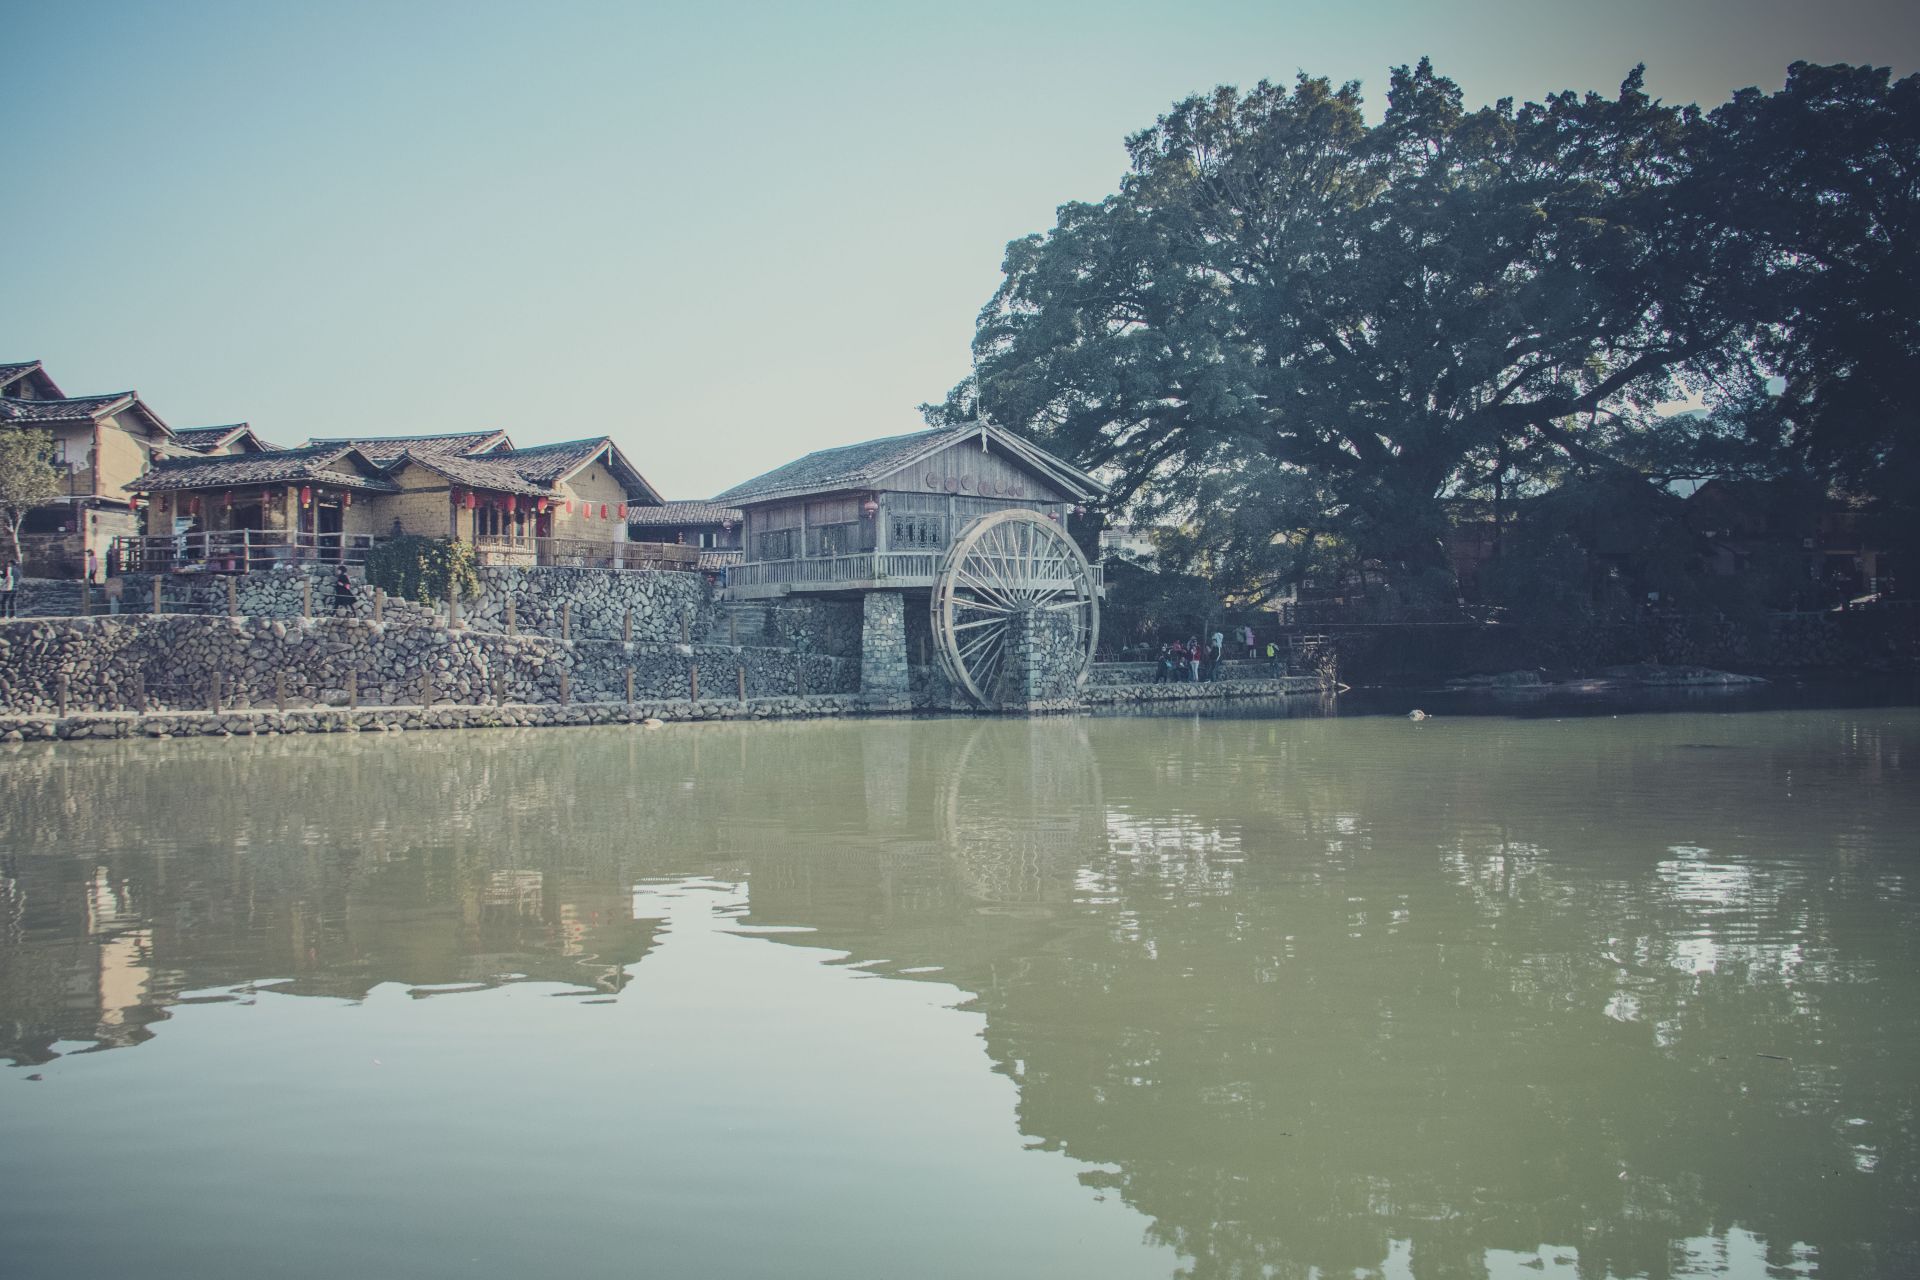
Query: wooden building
[[879, 515], [562, 504], [713, 529], [101, 445]]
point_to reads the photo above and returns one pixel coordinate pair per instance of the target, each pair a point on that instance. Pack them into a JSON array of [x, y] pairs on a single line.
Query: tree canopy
[[1290, 321]]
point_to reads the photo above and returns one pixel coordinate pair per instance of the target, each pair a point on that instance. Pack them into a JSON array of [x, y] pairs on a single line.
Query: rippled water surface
[[1227, 997]]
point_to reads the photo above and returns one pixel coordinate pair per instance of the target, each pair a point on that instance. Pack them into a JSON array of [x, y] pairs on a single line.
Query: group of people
[[1195, 661]]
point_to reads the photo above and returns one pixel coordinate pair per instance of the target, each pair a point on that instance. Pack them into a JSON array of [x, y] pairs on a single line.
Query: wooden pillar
[[566, 687], [213, 693], [511, 619], [693, 675], [233, 596], [426, 689], [379, 604], [740, 676], [453, 607], [280, 691], [629, 686], [60, 695], [566, 619], [306, 597], [799, 674], [626, 628], [686, 632], [158, 604], [353, 688]]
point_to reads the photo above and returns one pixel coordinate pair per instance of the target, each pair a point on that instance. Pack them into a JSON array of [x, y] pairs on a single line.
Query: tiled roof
[[499, 473], [204, 438], [388, 448], [672, 513], [9, 372], [854, 466], [532, 471], [847, 466], [332, 464], [72, 409]]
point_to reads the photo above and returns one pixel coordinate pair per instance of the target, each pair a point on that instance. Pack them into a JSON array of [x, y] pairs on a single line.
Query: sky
[[724, 234]]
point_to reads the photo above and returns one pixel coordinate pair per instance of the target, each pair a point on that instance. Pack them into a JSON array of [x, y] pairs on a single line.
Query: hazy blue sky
[[723, 234]]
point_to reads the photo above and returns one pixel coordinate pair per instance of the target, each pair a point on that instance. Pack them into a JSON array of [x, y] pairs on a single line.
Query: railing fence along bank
[[251, 550]]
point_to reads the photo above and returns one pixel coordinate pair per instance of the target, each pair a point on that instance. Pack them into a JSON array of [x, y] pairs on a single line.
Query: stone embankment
[[230, 724], [147, 663]]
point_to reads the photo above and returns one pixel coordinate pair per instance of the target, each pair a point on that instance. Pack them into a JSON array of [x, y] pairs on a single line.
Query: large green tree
[[1289, 321]]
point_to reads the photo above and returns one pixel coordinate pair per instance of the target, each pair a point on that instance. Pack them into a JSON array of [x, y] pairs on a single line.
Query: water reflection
[[1630, 997]]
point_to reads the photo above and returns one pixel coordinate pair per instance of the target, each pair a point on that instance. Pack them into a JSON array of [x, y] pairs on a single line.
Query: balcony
[[861, 571]]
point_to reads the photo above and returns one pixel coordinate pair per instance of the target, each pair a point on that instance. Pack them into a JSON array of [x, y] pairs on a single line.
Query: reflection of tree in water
[[1321, 987], [1295, 989]]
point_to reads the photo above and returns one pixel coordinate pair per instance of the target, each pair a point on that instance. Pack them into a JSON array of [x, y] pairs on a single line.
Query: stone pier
[[883, 647]]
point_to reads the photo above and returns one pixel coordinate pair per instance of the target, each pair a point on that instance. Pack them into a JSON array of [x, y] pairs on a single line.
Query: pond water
[[1280, 993]]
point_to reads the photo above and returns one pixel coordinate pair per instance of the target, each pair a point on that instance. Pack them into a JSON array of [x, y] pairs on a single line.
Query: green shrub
[[420, 568]]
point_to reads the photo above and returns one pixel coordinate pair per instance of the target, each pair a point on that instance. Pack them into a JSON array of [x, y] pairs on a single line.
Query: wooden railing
[[867, 568], [714, 559], [584, 553], [237, 550]]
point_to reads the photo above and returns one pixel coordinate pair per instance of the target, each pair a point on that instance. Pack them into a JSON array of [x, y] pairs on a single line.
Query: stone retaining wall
[[228, 724], [109, 663]]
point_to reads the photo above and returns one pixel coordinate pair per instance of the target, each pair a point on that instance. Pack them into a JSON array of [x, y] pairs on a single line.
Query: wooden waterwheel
[[1006, 570]]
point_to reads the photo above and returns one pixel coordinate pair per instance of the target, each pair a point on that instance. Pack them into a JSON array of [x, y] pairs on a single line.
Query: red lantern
[[541, 506], [870, 508], [603, 511], [133, 503], [512, 504], [346, 498], [623, 511], [306, 495], [471, 501], [193, 505], [568, 506]]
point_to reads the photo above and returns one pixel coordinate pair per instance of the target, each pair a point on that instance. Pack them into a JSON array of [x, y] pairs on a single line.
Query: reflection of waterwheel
[[1021, 810], [1007, 572]]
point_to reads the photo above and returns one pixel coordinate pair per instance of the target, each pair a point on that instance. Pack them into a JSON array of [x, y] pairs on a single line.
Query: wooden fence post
[[629, 686], [426, 689], [159, 606], [139, 691], [799, 675], [306, 597], [499, 688], [213, 692], [60, 695], [626, 628], [512, 621], [280, 691], [379, 604], [453, 608], [566, 687], [740, 674], [733, 630], [566, 619], [353, 688], [233, 596], [686, 632], [693, 674]]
